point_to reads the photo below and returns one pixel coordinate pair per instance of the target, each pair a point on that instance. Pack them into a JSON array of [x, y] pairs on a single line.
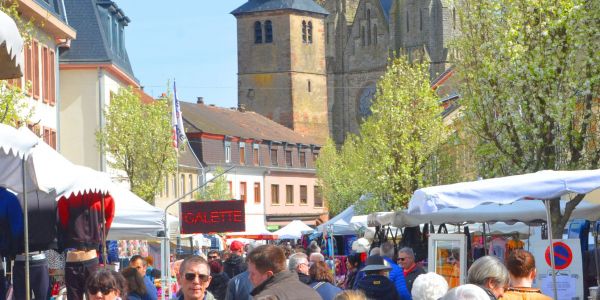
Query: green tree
[[14, 110], [530, 80], [218, 189], [138, 138], [387, 161]]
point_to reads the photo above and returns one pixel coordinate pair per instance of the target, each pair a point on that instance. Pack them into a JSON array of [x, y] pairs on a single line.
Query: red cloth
[[80, 217]]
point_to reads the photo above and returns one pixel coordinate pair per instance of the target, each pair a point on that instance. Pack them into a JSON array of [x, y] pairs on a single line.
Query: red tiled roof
[[231, 122]]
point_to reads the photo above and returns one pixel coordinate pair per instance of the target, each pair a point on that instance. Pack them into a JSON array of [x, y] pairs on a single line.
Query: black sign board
[[212, 216]]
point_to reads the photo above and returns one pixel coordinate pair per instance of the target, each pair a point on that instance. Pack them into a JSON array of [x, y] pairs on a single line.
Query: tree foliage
[[530, 80], [387, 160], [218, 189], [138, 138]]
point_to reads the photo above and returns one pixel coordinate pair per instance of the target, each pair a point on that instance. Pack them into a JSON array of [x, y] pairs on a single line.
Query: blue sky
[[193, 41]]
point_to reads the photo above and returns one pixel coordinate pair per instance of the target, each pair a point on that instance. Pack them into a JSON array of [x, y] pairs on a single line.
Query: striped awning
[[11, 46]]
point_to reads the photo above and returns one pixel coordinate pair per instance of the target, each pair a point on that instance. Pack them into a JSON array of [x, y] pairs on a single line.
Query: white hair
[[429, 286], [466, 292], [295, 260], [319, 257]]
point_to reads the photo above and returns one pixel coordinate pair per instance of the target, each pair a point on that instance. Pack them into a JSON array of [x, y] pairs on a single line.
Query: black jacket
[[218, 285], [378, 287], [234, 265], [410, 277], [284, 286], [304, 278]]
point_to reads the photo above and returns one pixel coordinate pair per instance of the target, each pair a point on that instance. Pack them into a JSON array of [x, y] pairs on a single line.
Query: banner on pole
[[212, 216]]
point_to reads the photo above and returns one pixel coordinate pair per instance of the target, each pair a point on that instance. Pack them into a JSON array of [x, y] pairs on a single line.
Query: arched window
[[420, 20], [407, 24], [268, 31], [310, 32], [257, 33], [309, 85], [304, 32], [362, 35], [375, 34], [368, 27]]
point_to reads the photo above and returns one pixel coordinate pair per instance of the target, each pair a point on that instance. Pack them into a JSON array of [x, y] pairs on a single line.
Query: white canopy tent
[[341, 224], [11, 46], [543, 185], [293, 230]]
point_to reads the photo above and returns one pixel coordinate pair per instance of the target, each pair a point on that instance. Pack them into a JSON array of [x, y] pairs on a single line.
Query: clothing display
[[498, 248], [11, 223], [80, 220], [39, 280], [76, 273], [56, 261]]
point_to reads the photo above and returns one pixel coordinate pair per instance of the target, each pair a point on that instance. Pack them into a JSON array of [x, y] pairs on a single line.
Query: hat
[[376, 263], [236, 246]]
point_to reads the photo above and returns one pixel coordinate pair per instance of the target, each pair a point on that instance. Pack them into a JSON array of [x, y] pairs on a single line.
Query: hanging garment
[[498, 248], [80, 220], [39, 280], [76, 274]]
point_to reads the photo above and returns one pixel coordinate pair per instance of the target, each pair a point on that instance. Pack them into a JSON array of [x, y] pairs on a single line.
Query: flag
[[177, 120]]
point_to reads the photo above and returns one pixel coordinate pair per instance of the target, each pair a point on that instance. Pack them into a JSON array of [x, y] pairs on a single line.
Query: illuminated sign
[[212, 216]]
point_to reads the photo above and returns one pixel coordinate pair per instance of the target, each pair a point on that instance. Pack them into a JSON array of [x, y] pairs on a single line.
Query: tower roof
[[253, 6]]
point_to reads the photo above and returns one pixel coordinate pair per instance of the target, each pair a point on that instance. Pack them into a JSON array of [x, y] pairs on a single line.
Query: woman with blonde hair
[[350, 295]]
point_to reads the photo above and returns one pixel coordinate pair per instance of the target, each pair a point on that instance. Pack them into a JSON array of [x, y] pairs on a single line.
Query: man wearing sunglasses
[[194, 278], [406, 259]]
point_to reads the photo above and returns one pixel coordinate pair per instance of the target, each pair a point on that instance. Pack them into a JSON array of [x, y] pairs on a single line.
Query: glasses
[[402, 258], [192, 276], [212, 257], [103, 290]]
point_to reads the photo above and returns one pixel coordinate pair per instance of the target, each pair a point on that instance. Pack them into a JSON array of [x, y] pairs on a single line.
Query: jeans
[[76, 274], [39, 280]]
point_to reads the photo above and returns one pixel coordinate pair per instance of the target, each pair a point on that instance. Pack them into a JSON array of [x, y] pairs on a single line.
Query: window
[[289, 194], [242, 153], [362, 36], [174, 185], [255, 155], [49, 136], [268, 32], [243, 191], [227, 152], [304, 38], [310, 32], [52, 78], [36, 69], [375, 34], [421, 20], [309, 85], [45, 74], [257, 192], [315, 156], [182, 184], [275, 194], [28, 69], [274, 156], [303, 194], [257, 33], [288, 158], [191, 182], [369, 27], [302, 159], [318, 197], [407, 24]]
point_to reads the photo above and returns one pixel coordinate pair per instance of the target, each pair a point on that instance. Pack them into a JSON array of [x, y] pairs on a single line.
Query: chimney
[[241, 108], [200, 100]]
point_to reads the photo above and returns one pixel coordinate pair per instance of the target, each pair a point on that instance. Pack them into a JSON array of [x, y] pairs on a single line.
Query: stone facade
[[284, 79]]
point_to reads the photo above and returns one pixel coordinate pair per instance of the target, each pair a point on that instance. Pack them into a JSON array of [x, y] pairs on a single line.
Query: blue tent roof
[[269, 5]]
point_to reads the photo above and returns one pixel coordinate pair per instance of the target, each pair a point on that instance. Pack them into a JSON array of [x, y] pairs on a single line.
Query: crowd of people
[[277, 272]]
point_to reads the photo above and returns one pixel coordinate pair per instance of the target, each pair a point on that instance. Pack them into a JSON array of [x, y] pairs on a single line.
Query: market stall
[[293, 230], [544, 185]]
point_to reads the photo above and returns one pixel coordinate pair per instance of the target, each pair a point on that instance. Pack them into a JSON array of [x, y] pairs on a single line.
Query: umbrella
[[543, 185]]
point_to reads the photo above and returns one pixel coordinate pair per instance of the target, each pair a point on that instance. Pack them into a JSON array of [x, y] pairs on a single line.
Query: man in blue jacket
[[396, 274]]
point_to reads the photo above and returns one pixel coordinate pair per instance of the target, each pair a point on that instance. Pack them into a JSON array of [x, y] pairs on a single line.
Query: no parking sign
[[563, 256]]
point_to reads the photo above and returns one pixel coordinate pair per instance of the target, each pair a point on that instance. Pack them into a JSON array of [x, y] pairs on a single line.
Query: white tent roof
[[11, 46], [526, 211], [293, 230], [540, 185], [340, 224], [135, 219]]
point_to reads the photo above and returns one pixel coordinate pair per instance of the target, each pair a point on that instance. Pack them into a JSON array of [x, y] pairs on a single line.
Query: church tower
[[281, 63]]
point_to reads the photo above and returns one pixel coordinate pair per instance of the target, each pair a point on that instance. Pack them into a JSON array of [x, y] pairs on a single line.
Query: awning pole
[[26, 231], [549, 223]]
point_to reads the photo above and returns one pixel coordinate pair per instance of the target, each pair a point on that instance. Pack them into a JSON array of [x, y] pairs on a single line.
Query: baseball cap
[[236, 246]]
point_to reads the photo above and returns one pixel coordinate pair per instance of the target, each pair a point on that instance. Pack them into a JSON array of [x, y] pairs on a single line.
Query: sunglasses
[[192, 277], [401, 258], [212, 257], [103, 290]]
